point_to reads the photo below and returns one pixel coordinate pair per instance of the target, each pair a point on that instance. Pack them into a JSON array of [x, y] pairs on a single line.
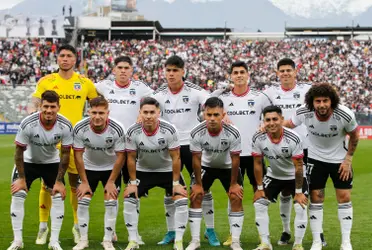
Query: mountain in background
[[242, 15]]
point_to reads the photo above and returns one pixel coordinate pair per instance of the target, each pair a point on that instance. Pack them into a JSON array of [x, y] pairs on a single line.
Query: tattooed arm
[[20, 183], [300, 198], [63, 165], [345, 167], [353, 142]]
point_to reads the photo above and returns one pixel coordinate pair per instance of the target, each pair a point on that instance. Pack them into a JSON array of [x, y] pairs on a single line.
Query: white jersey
[[245, 110], [153, 149], [289, 100], [124, 101], [215, 148], [181, 108], [41, 142], [99, 148], [327, 138], [279, 154]]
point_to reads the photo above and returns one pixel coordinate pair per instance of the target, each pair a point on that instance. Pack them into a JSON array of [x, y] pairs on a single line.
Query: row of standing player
[[286, 74]]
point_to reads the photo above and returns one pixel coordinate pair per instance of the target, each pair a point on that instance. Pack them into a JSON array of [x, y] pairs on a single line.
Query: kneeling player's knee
[[317, 196], [235, 201], [343, 197]]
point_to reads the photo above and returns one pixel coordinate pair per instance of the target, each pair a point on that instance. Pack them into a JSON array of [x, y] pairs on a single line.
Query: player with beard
[[73, 90], [328, 123]]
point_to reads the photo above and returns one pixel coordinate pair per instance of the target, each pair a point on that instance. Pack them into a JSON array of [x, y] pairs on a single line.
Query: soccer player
[[36, 157], [282, 147], [216, 147], [289, 95], [179, 102], [73, 90], [99, 149], [155, 144], [328, 123], [244, 106]]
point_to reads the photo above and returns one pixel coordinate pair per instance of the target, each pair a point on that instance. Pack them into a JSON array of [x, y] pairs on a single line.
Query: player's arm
[[131, 163], [59, 187], [235, 163], [110, 188], [176, 164], [300, 198], [196, 166], [34, 105], [353, 142], [80, 167], [345, 169], [20, 183], [257, 168], [288, 124]]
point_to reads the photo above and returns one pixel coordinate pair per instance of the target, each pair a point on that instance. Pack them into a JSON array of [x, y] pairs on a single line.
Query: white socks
[[300, 223], [181, 216], [111, 212], [170, 210], [208, 210], [17, 213], [83, 217], [262, 219], [195, 217], [316, 220], [236, 225], [285, 207], [131, 217], [345, 215], [57, 213]]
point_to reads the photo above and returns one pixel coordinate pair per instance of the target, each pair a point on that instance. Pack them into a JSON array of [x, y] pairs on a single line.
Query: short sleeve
[[92, 92], [22, 137], [40, 89], [173, 142], [203, 96], [298, 117], [256, 149], [147, 91], [130, 144], [236, 145], [265, 100], [120, 144], [352, 125], [195, 144], [78, 141], [67, 138], [298, 151], [100, 88]]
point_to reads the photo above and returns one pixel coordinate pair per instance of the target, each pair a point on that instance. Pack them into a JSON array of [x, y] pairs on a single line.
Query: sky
[[241, 15]]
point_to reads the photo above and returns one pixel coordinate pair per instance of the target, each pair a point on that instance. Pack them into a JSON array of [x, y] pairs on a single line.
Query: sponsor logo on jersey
[[289, 106], [141, 144], [250, 103], [206, 144], [278, 97], [161, 141], [77, 86], [176, 111], [167, 101], [185, 99], [70, 97], [55, 87], [296, 95], [112, 92], [37, 136], [116, 101], [241, 112], [132, 92], [266, 149], [322, 134], [87, 140], [231, 104]]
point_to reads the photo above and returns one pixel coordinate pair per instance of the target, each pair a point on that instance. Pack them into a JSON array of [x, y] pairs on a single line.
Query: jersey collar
[[280, 139], [151, 133], [42, 124], [287, 90], [123, 87], [100, 132], [241, 95], [215, 134], [176, 92]]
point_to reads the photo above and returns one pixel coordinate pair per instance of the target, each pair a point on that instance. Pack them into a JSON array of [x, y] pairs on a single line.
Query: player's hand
[[196, 190], [237, 190], [345, 170], [258, 195], [262, 128], [130, 189], [139, 119], [227, 120], [18, 185], [301, 199], [59, 187], [179, 190], [111, 190], [83, 189]]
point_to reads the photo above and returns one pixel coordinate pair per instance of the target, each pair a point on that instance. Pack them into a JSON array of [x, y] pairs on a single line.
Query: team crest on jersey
[[77, 86], [185, 99], [57, 137], [161, 141], [132, 92], [250, 103], [224, 142], [296, 95], [285, 150], [109, 140], [333, 127]]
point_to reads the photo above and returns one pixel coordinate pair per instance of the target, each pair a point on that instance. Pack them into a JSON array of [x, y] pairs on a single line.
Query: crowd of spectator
[[346, 64]]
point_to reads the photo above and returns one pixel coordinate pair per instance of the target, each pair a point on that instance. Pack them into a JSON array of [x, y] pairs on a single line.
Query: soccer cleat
[[16, 245], [211, 236], [316, 246], [107, 245], [76, 234], [82, 244], [228, 241], [193, 245], [139, 240], [284, 239], [132, 245], [168, 238], [297, 247], [324, 243], [346, 246], [264, 246], [42, 236], [54, 246], [178, 245], [236, 246]]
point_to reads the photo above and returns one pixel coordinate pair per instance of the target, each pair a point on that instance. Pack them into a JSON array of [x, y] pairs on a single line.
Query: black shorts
[[319, 171], [94, 177], [149, 180], [33, 171], [247, 167], [124, 171], [208, 176], [273, 187], [305, 156], [186, 158]]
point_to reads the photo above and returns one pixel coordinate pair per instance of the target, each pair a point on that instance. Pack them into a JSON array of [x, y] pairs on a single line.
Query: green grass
[[152, 222]]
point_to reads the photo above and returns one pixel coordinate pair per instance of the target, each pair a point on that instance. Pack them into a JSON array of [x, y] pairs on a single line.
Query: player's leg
[[83, 209], [73, 180], [236, 215], [57, 211], [131, 212], [111, 211], [181, 209], [318, 174], [345, 208], [195, 210], [272, 188], [301, 219], [170, 210], [17, 207], [285, 210], [45, 202]]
